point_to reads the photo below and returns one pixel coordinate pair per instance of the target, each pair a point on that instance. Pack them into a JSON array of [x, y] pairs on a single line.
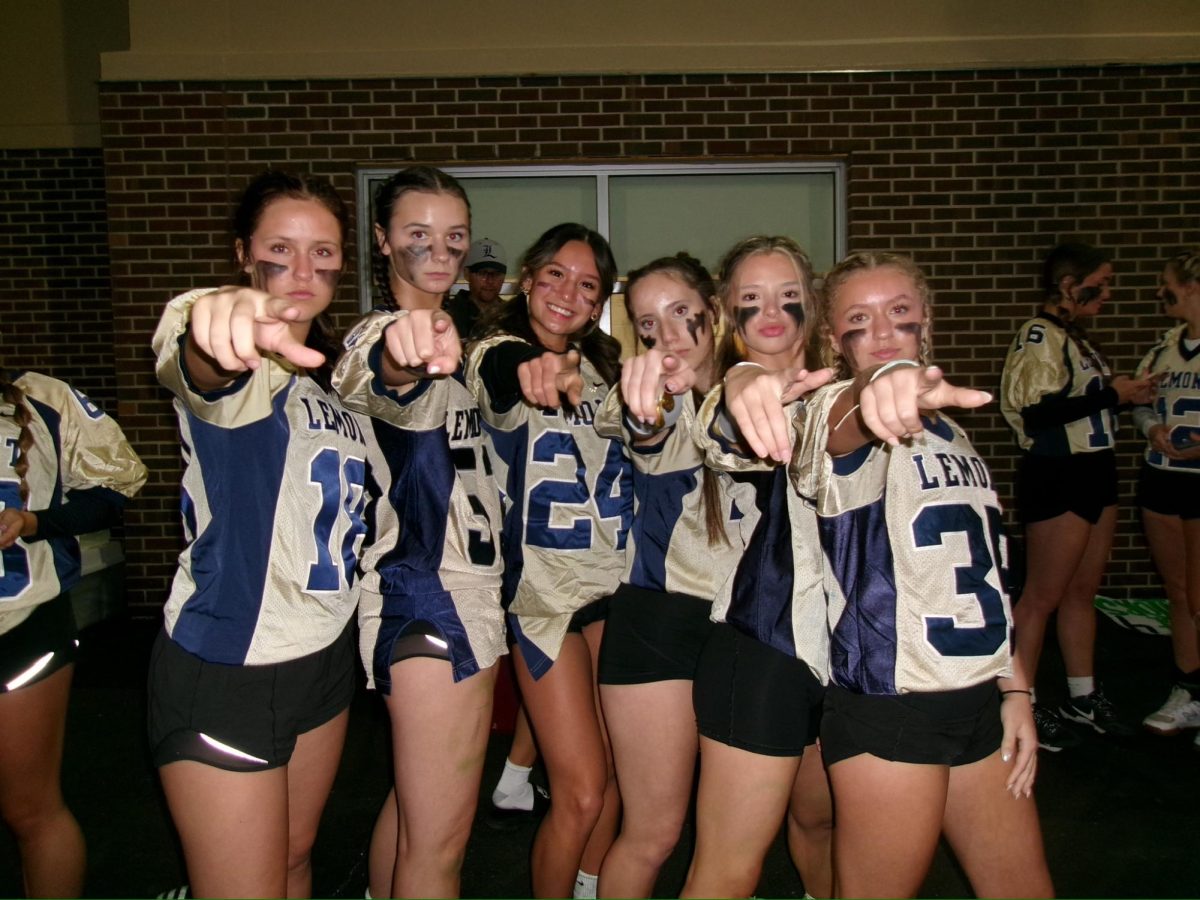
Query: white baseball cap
[[486, 253]]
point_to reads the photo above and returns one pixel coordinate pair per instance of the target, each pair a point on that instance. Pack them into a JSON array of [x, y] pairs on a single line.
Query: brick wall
[[55, 292], [973, 173]]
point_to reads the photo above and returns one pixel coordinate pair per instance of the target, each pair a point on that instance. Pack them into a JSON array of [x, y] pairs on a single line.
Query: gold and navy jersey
[[914, 556], [273, 497], [1046, 366], [568, 498], [76, 447], [668, 547], [1178, 401], [775, 593], [437, 522]]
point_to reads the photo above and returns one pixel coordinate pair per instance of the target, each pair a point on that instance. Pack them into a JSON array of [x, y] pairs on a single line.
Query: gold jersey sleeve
[[1043, 361], [75, 447]]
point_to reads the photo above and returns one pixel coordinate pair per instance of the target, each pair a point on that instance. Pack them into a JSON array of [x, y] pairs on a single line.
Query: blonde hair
[[1185, 266], [730, 351], [835, 281]]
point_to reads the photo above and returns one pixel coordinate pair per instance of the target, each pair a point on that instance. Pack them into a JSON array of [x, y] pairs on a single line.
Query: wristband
[[893, 364]]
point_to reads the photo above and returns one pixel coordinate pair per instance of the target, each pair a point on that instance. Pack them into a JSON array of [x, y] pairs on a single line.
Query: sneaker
[[1096, 710], [1179, 712], [1053, 733], [179, 893]]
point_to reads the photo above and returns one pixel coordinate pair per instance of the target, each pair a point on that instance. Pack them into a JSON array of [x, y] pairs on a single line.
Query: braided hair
[[10, 393]]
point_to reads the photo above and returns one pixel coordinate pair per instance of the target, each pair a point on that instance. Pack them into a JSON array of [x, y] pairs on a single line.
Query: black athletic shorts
[[1169, 493], [1083, 483], [947, 728], [243, 718], [41, 645], [652, 636], [751, 696], [595, 611]]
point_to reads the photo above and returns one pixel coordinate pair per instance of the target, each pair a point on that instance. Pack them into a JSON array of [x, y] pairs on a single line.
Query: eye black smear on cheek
[[796, 311], [455, 252], [329, 276], [913, 328], [1169, 298], [647, 341], [264, 271], [418, 251], [744, 315], [697, 324], [850, 340]]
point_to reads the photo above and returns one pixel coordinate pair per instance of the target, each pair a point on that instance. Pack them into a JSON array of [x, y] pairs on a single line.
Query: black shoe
[[1096, 710], [1053, 733], [503, 818]]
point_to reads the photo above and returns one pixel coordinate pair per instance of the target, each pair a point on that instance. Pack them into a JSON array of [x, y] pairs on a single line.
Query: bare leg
[[1165, 535], [653, 732], [810, 825], [523, 751], [605, 830], [996, 836], [234, 828], [1053, 548], [310, 774], [563, 713], [439, 736], [889, 817], [381, 856], [32, 726], [1077, 614], [740, 805]]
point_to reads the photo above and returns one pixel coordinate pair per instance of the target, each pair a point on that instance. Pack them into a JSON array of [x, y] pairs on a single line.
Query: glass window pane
[[705, 214]]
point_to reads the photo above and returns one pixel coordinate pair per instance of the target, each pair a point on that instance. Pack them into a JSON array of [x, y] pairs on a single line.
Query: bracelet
[[893, 364], [1016, 691]]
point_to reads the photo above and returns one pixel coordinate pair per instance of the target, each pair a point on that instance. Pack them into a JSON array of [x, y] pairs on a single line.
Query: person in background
[[1061, 400], [484, 267], [1168, 489], [65, 469]]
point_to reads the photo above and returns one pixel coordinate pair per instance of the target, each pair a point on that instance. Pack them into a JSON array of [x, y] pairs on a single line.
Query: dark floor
[[1119, 816]]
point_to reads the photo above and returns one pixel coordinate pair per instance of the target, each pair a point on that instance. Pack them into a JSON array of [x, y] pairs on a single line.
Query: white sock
[[511, 778], [367, 894], [1081, 687], [521, 798], [585, 886]]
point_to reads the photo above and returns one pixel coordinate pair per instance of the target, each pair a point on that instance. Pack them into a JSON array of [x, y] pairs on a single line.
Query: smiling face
[[670, 315], [766, 296], [424, 245], [295, 251], [878, 315], [564, 295]]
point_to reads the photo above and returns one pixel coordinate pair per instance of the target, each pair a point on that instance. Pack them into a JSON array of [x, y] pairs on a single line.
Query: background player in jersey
[[682, 546], [65, 469], [1059, 399], [431, 625], [758, 683], [540, 373], [917, 738], [1169, 483], [251, 680]]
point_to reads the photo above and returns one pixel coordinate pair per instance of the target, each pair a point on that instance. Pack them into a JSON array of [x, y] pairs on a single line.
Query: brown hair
[[601, 350], [835, 280]]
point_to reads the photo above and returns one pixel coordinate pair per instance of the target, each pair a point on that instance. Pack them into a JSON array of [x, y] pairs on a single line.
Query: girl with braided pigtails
[[431, 624], [65, 469]]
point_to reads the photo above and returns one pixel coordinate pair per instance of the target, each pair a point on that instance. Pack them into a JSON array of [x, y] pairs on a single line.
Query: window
[[646, 210]]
